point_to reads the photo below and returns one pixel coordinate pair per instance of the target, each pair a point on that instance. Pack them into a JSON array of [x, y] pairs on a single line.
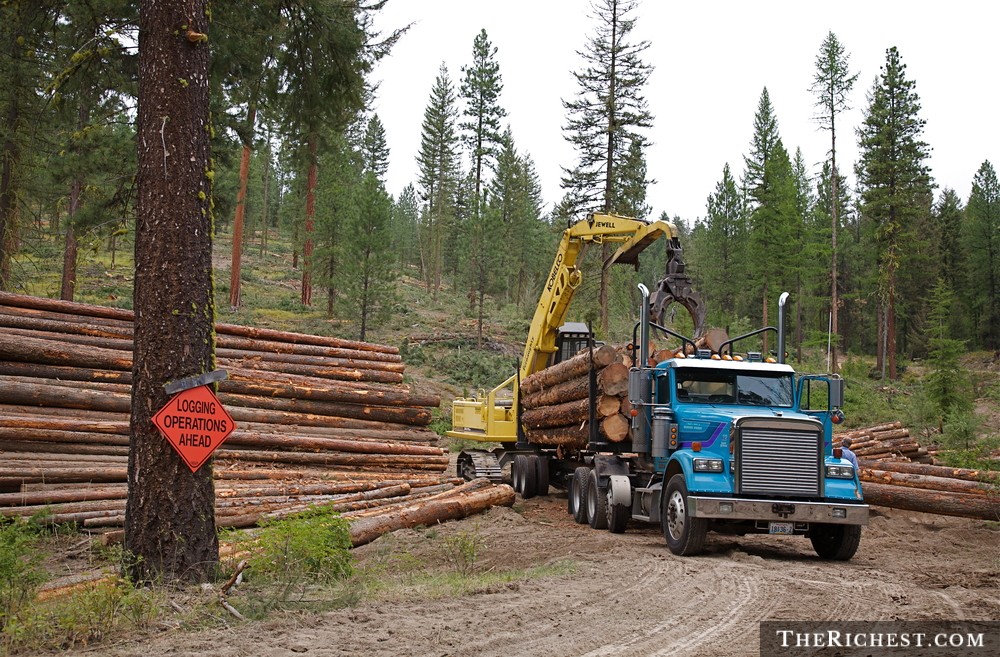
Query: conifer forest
[[891, 265]]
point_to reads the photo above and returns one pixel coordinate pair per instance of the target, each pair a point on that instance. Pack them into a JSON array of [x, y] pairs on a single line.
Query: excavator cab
[[573, 337]]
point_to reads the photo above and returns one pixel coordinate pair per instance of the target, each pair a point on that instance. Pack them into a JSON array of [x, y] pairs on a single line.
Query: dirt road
[[600, 594]]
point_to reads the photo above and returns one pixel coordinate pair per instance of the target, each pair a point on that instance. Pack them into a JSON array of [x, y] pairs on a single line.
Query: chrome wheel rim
[[676, 514]]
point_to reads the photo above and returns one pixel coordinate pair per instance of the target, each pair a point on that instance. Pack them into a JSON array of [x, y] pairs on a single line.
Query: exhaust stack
[[782, 300], [643, 326]]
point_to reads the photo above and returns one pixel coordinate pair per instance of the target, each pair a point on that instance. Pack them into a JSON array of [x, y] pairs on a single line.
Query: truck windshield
[[730, 387]]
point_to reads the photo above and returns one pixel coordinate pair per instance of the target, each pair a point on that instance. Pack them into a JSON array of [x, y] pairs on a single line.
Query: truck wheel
[[578, 494], [685, 535], [597, 503], [517, 473], [836, 542], [541, 474], [618, 516], [525, 477]]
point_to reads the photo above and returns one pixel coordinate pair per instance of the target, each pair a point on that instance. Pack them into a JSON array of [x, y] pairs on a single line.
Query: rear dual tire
[[530, 474]]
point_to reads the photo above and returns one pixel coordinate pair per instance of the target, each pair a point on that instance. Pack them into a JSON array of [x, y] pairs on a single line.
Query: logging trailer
[[716, 441]]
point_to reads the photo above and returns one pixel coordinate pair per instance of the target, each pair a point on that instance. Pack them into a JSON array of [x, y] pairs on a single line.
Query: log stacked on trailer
[[557, 399], [892, 475], [320, 420]]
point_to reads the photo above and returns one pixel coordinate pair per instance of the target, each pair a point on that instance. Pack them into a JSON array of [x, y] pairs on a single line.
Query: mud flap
[[621, 490]]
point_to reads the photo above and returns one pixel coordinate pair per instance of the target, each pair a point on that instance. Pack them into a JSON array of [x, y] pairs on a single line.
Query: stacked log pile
[[890, 441], [320, 420], [892, 475]]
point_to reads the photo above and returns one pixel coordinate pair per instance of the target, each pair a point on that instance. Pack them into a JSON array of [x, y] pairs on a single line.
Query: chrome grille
[[779, 462]]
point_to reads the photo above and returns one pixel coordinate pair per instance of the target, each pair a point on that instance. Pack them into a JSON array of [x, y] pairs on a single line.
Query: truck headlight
[[708, 465], [840, 471]]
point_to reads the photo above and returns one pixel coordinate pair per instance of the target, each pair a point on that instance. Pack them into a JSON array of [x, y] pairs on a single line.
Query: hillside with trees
[[313, 239]]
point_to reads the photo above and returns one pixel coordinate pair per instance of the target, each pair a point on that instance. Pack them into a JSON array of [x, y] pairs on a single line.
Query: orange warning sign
[[195, 423]]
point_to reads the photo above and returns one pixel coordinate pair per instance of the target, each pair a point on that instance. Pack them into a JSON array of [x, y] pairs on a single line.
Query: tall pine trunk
[[68, 287], [10, 156], [241, 204], [307, 247], [170, 517]]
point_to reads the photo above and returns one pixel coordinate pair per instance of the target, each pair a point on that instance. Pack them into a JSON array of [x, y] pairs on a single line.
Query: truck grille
[[779, 462]]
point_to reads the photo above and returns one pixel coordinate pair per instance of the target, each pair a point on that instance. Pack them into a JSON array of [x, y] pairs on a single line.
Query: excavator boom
[[493, 416]]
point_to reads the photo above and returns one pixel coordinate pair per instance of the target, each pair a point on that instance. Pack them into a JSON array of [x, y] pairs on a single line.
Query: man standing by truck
[[845, 451]]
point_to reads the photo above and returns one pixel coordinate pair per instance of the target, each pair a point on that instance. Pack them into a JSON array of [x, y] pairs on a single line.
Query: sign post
[[195, 423]]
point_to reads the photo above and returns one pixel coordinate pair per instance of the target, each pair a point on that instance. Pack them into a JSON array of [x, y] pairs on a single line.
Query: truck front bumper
[[724, 508]]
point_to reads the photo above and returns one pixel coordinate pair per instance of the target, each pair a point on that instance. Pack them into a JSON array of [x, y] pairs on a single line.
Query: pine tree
[[633, 183], [721, 261], [772, 228], [438, 164], [481, 88], [91, 90], [24, 35], [894, 182], [765, 137], [405, 227], [949, 215], [608, 112], [515, 199], [323, 59], [982, 240], [832, 84], [947, 385], [370, 274], [797, 251], [169, 517]]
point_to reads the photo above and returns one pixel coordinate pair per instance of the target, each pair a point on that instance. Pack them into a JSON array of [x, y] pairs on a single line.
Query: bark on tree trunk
[[241, 198], [68, 286], [307, 247], [170, 519]]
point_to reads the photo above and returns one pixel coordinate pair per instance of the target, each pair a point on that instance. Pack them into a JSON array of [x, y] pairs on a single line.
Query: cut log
[[608, 405], [571, 390], [560, 415], [613, 379], [569, 369], [33, 350], [965, 474], [928, 482], [572, 437], [431, 512], [615, 428], [929, 501]]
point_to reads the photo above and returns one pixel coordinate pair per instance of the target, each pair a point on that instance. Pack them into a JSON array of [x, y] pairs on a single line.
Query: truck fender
[[620, 489]]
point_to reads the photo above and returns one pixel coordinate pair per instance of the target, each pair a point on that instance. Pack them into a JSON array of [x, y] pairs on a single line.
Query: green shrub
[[461, 551], [88, 615], [20, 569], [312, 546]]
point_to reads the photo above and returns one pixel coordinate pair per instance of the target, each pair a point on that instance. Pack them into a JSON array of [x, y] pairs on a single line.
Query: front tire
[[685, 535], [578, 494], [597, 503], [835, 542]]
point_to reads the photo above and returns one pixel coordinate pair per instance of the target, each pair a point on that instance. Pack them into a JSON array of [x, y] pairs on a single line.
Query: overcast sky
[[712, 60]]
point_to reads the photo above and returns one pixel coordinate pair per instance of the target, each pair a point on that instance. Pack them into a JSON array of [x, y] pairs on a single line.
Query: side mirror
[[836, 393]]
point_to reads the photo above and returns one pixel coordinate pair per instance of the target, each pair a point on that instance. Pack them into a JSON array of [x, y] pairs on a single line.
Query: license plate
[[781, 528]]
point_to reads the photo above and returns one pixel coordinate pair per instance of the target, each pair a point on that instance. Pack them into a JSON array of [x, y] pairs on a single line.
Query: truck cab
[[739, 445]]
